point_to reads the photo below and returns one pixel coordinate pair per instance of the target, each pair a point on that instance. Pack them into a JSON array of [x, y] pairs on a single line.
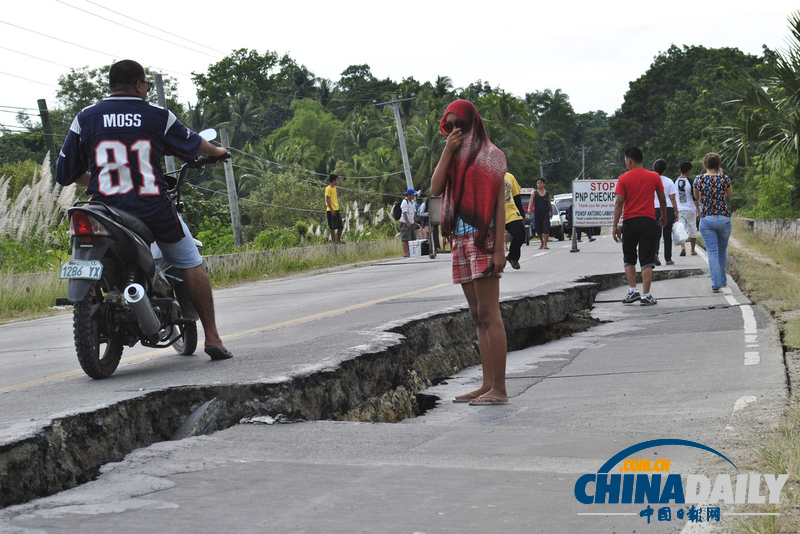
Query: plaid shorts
[[469, 263]]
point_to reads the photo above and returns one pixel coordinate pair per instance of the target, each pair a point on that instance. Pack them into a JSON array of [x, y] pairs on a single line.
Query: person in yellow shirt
[[514, 220], [332, 205]]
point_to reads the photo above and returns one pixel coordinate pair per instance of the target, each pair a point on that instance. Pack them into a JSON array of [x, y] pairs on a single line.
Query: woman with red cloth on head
[[470, 178]]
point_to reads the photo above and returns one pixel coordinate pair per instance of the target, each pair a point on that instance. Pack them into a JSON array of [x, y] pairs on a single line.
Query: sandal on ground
[[218, 353], [467, 397], [487, 400]]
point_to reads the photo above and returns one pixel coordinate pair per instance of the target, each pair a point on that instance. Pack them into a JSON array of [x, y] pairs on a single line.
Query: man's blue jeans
[[716, 230]]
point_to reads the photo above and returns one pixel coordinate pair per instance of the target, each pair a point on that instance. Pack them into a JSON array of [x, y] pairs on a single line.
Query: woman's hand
[[454, 141], [499, 259]]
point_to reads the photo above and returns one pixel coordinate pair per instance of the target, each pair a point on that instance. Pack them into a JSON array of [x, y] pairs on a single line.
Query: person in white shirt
[[688, 210], [408, 226], [660, 166]]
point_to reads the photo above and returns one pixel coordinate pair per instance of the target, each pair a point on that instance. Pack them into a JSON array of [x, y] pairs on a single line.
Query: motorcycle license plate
[[81, 270]]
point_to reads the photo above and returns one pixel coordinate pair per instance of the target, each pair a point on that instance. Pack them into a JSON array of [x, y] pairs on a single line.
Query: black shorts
[[542, 225], [639, 233], [334, 221]]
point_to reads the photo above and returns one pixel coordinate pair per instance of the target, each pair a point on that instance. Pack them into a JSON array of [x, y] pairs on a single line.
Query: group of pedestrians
[[643, 226]]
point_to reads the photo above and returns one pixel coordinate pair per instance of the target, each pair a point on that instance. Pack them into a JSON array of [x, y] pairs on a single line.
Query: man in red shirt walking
[[635, 190]]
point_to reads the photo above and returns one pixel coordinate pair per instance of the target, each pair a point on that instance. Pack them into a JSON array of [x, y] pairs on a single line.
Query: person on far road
[[688, 210], [514, 221], [711, 189], [635, 190], [332, 210], [120, 164], [660, 166], [542, 207], [408, 226], [470, 177]]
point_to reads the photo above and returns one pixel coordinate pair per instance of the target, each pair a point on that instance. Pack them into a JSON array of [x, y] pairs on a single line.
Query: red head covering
[[473, 177]]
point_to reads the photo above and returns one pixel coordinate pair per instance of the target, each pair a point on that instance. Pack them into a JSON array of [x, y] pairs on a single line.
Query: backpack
[[397, 211]]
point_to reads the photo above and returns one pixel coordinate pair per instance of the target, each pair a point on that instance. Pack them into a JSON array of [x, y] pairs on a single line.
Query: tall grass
[[29, 296], [774, 282], [258, 267]]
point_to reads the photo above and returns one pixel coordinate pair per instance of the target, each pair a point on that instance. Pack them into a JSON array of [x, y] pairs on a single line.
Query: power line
[[276, 164], [26, 79], [154, 27], [257, 201], [34, 57], [134, 29], [106, 54]]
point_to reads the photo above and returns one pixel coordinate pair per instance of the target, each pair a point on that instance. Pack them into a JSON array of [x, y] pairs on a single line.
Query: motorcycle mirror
[[209, 134]]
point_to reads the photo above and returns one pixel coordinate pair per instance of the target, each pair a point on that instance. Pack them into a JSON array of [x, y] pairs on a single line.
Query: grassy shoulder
[[767, 269], [33, 296]]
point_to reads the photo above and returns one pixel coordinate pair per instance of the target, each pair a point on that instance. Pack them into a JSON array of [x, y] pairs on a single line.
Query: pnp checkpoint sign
[[593, 202]]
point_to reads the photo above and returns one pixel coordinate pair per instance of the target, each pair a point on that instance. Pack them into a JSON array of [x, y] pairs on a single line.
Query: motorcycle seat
[[129, 221]]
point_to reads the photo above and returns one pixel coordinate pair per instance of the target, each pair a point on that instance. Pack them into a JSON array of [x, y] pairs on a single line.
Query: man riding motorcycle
[[114, 149]]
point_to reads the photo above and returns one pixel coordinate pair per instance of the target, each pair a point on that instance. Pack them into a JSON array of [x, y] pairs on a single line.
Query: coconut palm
[[768, 118], [245, 115], [425, 143]]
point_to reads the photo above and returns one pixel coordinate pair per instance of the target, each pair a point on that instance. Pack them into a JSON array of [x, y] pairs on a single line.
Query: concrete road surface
[[694, 367]]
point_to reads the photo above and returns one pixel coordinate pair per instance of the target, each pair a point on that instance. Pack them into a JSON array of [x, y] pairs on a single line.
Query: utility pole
[[543, 163], [48, 134], [583, 150], [162, 101], [233, 198], [396, 105]]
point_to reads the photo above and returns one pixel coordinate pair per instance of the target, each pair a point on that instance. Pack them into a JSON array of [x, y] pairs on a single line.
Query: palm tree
[[245, 115], [768, 118], [425, 143]]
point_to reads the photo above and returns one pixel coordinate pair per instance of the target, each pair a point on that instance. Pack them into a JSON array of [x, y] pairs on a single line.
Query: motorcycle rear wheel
[[91, 332]]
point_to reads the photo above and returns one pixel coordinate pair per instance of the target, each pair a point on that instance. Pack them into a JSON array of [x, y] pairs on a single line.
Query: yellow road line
[[267, 328]]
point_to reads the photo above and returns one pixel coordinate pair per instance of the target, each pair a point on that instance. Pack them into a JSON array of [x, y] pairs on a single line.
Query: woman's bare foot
[[472, 395]]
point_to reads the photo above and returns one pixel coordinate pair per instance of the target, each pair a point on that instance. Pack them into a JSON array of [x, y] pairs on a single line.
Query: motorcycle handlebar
[[206, 160]]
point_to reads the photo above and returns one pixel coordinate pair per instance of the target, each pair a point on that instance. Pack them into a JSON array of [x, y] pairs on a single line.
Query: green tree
[[656, 117], [244, 117], [767, 121], [85, 86]]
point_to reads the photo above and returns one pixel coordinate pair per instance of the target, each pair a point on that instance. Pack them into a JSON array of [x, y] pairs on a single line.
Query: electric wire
[[135, 30], [154, 27], [35, 57], [106, 54], [27, 79]]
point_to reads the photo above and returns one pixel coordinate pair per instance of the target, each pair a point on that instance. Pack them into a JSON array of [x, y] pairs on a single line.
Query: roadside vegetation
[[768, 271]]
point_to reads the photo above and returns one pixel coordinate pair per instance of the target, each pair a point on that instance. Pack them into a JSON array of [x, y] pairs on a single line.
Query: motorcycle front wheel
[[187, 344], [99, 350]]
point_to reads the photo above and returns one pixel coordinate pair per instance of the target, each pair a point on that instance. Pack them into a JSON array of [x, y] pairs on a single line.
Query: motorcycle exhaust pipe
[[145, 315]]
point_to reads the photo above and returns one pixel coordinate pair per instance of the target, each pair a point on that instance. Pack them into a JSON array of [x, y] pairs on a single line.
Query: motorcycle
[[121, 290]]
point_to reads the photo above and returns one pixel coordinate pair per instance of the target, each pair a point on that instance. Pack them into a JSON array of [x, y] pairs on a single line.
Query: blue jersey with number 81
[[120, 141]]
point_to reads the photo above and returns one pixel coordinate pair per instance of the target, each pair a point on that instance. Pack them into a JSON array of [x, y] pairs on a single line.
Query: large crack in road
[[381, 383]]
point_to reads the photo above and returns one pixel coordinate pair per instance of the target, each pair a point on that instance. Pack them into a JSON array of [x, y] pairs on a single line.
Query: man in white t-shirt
[[408, 226], [660, 166], [688, 210]]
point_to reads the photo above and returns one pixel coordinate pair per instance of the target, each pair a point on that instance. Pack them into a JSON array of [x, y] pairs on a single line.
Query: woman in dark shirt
[[711, 189]]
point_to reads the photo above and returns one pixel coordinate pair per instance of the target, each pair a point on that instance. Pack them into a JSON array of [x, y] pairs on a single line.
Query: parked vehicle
[[556, 224], [563, 202], [122, 291]]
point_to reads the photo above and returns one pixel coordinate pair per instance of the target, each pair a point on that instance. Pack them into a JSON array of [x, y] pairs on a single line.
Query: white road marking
[[752, 358]]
